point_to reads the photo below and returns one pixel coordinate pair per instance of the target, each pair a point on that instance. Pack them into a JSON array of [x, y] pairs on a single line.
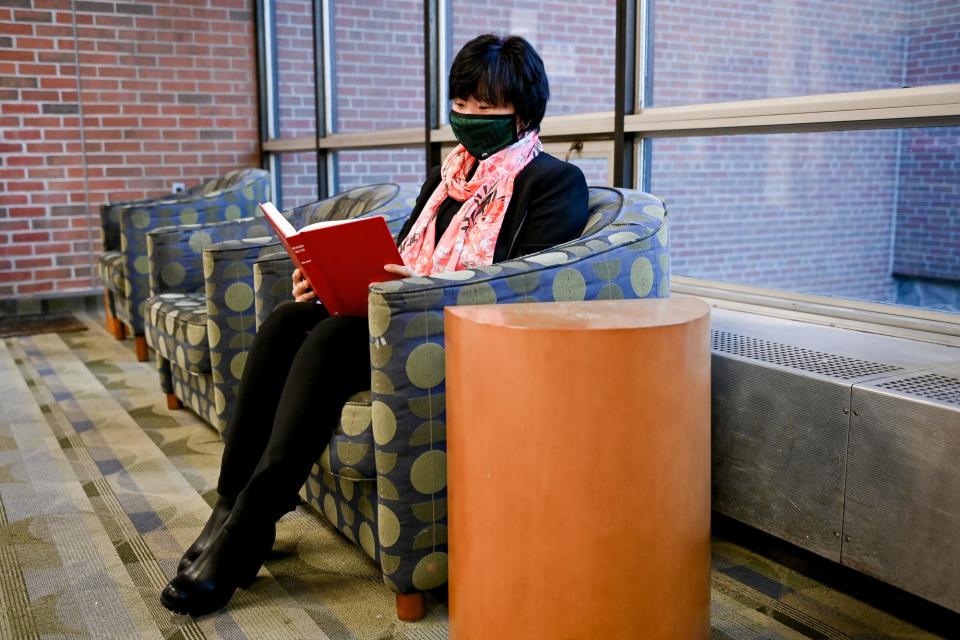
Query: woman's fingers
[[301, 289], [399, 269]]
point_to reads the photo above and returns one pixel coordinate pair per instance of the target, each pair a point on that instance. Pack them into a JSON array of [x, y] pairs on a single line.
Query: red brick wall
[[808, 212], [378, 69], [296, 87], [577, 41], [378, 84], [377, 64], [296, 99], [357, 168], [928, 212], [928, 207], [167, 94], [751, 49], [298, 178]]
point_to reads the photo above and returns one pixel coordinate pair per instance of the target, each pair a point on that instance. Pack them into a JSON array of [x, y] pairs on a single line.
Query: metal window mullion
[[644, 55], [320, 20], [625, 92], [644, 92], [271, 163], [274, 71], [444, 57], [263, 80], [330, 104], [431, 82], [267, 89]]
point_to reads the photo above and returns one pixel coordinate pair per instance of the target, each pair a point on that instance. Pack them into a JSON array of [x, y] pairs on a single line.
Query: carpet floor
[[11, 326], [101, 489]]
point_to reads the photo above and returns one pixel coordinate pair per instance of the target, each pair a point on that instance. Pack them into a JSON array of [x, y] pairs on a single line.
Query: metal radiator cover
[[784, 396], [902, 508], [778, 446]]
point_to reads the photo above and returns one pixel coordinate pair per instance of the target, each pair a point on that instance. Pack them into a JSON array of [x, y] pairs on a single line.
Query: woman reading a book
[[497, 196]]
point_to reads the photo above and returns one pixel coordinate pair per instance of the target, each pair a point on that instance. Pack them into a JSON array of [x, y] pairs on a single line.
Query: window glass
[[750, 49], [575, 39], [377, 64], [595, 170], [297, 178], [873, 215], [296, 99], [371, 166]]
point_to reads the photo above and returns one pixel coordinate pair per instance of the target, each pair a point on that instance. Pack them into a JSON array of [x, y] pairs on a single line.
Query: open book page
[[328, 223], [280, 223]]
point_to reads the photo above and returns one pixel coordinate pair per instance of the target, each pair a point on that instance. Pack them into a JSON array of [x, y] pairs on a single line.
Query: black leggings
[[301, 369]]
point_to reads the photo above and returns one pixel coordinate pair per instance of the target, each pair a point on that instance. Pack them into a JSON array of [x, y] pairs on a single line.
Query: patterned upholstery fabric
[[177, 329], [110, 270], [343, 481], [354, 503], [350, 452], [234, 196], [211, 264], [622, 253], [193, 389]]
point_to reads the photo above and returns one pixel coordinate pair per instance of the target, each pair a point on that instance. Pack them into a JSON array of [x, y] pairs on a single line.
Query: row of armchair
[[382, 480], [124, 265]]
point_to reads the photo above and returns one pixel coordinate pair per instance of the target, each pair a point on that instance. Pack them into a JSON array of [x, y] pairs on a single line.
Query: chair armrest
[[176, 252], [231, 322], [272, 283], [623, 260]]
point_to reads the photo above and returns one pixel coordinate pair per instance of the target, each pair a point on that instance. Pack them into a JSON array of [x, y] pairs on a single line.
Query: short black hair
[[502, 71]]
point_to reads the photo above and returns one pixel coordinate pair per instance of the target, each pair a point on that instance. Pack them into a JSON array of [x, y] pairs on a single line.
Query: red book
[[339, 258]]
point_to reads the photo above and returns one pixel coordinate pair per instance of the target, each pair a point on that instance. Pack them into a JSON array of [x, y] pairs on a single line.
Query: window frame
[[625, 130]]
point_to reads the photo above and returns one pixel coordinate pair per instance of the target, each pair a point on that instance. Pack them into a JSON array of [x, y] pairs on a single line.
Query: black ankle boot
[[231, 560], [221, 511]]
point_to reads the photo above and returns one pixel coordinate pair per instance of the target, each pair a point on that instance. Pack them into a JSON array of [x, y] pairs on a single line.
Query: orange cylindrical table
[[578, 466]]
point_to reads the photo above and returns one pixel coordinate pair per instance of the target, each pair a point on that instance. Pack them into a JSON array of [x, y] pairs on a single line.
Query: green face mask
[[483, 135]]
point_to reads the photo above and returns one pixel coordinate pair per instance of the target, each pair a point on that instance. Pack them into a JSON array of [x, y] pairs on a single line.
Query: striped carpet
[[101, 489]]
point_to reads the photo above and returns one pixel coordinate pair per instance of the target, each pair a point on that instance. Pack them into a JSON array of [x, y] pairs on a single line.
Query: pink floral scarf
[[470, 239]]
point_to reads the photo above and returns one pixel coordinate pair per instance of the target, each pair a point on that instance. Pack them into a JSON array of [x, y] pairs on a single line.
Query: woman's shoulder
[[546, 166]]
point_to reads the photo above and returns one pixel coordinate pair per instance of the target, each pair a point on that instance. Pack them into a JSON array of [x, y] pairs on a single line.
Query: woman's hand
[[301, 288], [401, 270]]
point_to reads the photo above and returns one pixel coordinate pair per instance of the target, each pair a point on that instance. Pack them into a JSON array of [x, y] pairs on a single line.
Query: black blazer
[[548, 207]]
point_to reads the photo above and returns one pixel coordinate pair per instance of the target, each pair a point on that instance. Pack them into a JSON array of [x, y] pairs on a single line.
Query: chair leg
[[173, 402], [119, 329], [106, 308], [142, 352], [410, 606]]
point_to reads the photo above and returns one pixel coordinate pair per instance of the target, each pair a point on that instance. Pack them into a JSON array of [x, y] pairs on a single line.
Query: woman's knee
[[343, 341], [292, 316], [342, 331]]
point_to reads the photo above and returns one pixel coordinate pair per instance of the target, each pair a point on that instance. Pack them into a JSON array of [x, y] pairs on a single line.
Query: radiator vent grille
[[930, 386], [786, 355]]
